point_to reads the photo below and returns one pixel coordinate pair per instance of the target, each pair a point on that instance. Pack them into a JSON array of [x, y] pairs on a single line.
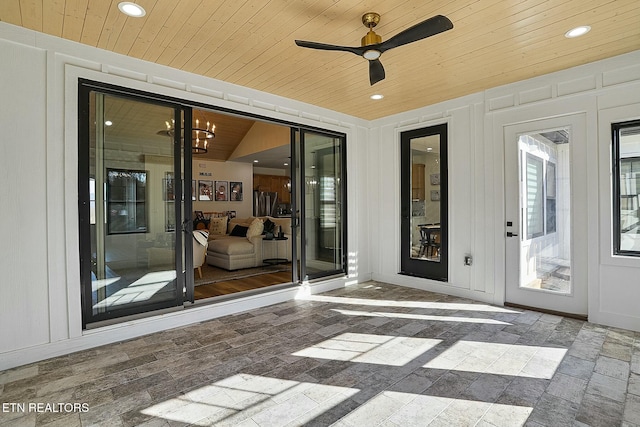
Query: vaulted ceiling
[[251, 42]]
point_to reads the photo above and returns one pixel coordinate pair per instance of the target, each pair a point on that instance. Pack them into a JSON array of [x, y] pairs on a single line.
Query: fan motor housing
[[371, 38]]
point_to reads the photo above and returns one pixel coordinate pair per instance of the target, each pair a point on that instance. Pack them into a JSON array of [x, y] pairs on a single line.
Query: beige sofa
[[236, 252]]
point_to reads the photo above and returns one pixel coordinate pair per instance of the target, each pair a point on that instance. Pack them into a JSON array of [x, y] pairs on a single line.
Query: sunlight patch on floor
[[406, 409], [366, 348], [420, 317], [98, 284], [500, 359], [267, 401], [409, 304], [142, 289]]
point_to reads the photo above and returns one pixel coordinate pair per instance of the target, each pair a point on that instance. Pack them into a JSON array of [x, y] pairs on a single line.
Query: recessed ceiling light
[[108, 123], [377, 96], [131, 9], [255, 161], [577, 31], [286, 164]]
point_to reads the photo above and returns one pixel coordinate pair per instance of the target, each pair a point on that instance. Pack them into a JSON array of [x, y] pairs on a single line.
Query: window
[[626, 187], [551, 198], [543, 182], [534, 187], [424, 250], [126, 201]]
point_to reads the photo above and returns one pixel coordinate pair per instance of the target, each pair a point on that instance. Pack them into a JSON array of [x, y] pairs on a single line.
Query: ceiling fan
[[372, 45]]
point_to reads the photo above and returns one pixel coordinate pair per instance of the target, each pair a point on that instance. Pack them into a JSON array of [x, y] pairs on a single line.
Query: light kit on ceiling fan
[[372, 46]]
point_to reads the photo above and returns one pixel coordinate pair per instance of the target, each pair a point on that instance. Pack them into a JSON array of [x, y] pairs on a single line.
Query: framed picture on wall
[[193, 190], [434, 179], [222, 191], [168, 189], [435, 195], [235, 194], [170, 215], [205, 190]]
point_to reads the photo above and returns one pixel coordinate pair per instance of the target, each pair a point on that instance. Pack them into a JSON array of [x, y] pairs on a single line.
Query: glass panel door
[[322, 204], [424, 203], [626, 188], [131, 235], [540, 190]]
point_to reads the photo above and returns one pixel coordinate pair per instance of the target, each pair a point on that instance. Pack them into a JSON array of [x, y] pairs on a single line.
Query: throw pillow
[[218, 226], [200, 224], [255, 229], [268, 226], [235, 221], [201, 236], [239, 231]]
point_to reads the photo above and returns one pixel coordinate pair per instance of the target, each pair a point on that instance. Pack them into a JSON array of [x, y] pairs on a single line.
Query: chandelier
[[200, 136]]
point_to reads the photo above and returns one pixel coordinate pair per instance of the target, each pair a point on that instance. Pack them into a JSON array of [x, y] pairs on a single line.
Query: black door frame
[[408, 265], [85, 88], [300, 161]]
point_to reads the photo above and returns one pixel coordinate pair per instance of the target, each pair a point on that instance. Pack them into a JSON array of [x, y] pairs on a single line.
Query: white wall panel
[[359, 187], [40, 310], [461, 208], [24, 299], [464, 119], [385, 182], [578, 90], [618, 297]]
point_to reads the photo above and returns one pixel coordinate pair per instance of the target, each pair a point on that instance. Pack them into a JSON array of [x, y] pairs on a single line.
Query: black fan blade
[[424, 29], [321, 46], [376, 71]]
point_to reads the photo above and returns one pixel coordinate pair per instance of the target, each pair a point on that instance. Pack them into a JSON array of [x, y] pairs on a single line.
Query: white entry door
[[546, 219]]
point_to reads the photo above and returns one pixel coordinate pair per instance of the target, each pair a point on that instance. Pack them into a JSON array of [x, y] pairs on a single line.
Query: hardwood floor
[[243, 284]]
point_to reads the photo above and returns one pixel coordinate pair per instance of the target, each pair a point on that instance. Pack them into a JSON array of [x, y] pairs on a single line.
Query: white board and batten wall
[[601, 93], [40, 306]]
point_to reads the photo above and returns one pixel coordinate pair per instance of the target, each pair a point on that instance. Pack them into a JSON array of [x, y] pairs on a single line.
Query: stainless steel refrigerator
[[265, 203]]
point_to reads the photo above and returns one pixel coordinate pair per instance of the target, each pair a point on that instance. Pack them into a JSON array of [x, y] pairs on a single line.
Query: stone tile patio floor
[[371, 354]]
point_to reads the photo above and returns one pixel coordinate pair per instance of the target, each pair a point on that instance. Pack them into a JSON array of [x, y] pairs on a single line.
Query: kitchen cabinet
[[417, 181], [273, 183]]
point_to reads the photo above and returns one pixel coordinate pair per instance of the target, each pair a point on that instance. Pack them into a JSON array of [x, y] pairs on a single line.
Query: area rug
[[212, 274]]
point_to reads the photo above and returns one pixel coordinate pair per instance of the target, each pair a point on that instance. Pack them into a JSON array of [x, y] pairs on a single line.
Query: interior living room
[[241, 199], [252, 159], [459, 245], [236, 164]]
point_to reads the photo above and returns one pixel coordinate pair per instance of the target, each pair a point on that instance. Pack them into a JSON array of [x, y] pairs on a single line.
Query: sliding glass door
[[135, 224], [130, 195], [320, 204]]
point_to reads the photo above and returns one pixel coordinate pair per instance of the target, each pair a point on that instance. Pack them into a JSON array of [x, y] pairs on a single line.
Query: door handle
[[510, 234]]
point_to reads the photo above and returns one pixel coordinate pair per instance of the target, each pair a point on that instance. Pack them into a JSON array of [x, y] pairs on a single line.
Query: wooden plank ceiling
[[135, 126], [251, 43]]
